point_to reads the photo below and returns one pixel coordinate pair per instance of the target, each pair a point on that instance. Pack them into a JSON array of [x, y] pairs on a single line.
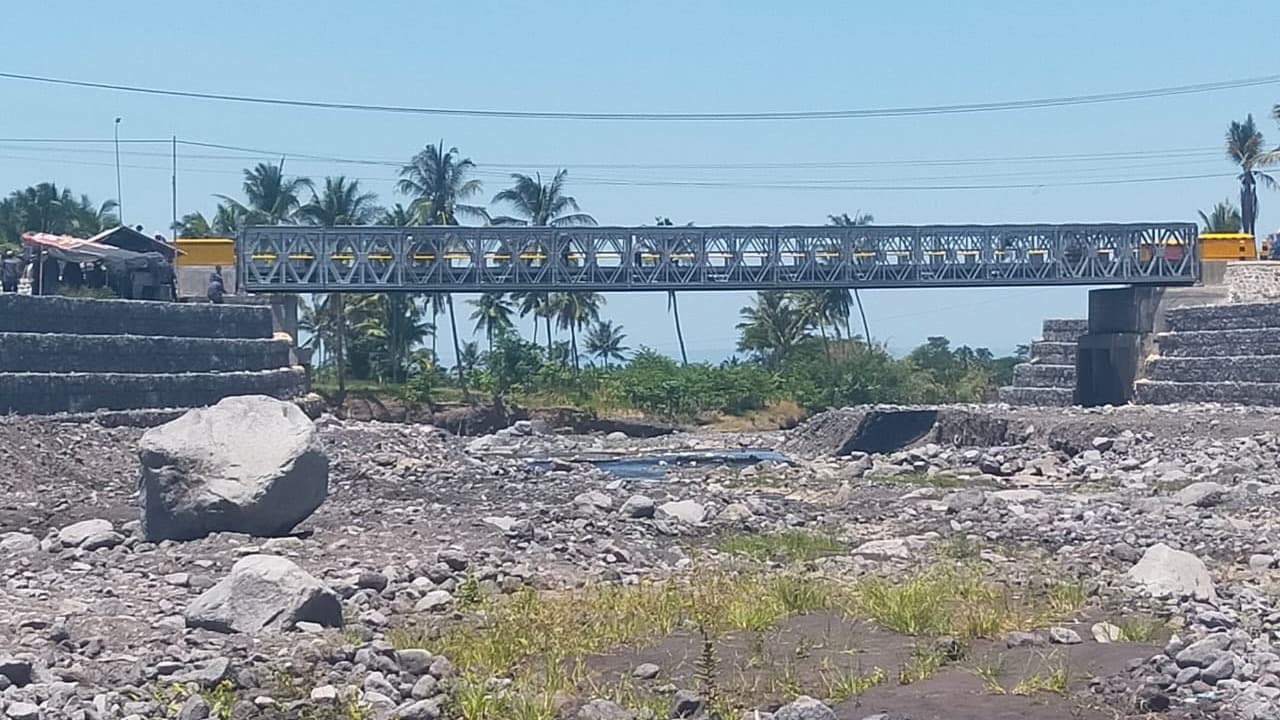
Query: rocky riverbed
[[982, 562]]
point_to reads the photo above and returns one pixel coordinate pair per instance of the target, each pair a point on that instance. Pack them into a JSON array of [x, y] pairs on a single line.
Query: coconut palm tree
[[536, 304], [822, 309], [604, 341], [844, 220], [1245, 148], [1224, 218], [673, 306], [773, 328], [341, 203], [272, 197], [397, 216], [574, 311], [492, 314], [440, 183], [535, 203], [398, 325]]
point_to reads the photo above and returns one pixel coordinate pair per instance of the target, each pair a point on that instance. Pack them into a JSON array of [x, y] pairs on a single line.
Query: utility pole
[[173, 226], [119, 192]]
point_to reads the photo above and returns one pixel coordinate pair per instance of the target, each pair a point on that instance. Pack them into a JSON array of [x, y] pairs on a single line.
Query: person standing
[[10, 272], [216, 286]]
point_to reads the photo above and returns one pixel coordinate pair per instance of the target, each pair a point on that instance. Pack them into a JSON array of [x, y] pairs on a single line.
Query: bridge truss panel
[[506, 259]]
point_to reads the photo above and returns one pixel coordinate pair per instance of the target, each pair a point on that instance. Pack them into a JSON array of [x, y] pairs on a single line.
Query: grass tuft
[[784, 547], [1142, 628], [1052, 676]]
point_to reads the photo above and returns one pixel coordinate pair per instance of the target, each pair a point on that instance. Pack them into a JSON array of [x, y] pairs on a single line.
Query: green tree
[[536, 203], [440, 183], [512, 363], [1245, 147], [604, 341], [673, 306], [537, 304], [1224, 218], [492, 314], [272, 198], [397, 323], [46, 208], [574, 311], [858, 219], [397, 216], [341, 203], [772, 328]]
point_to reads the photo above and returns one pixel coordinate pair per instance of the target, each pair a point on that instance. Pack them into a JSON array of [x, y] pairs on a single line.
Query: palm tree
[[859, 219], [537, 304], [397, 322], [537, 204], [273, 198], [440, 184], [772, 328], [821, 308], [1245, 148], [1224, 218], [604, 341], [574, 311], [397, 216], [88, 219], [342, 203], [673, 306], [492, 314]]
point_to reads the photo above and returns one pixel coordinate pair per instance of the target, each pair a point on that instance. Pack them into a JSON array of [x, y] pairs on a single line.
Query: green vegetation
[[784, 547], [1050, 675], [547, 643], [1142, 628]]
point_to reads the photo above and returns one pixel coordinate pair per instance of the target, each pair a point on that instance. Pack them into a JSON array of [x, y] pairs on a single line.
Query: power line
[[1170, 153], [918, 110]]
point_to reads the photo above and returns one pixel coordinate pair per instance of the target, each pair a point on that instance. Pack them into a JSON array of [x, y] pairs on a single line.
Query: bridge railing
[[505, 258]]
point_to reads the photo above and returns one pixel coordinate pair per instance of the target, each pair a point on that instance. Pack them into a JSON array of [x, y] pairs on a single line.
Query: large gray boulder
[[1165, 573], [250, 464], [265, 592]]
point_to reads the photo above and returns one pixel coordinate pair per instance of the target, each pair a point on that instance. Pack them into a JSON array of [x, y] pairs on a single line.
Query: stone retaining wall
[[53, 353], [77, 316], [1252, 281], [48, 393], [1049, 377]]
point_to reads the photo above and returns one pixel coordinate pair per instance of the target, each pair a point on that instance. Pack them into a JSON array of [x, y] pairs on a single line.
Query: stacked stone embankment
[[1049, 377], [1216, 353], [77, 355]]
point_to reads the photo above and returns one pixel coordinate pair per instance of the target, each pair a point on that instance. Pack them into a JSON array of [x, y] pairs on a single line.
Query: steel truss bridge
[[507, 259]]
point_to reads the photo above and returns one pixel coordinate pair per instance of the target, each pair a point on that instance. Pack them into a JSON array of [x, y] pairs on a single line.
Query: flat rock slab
[[1165, 572], [265, 592]]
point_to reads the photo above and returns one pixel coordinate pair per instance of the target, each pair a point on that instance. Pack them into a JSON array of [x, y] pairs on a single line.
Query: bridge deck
[[506, 259]]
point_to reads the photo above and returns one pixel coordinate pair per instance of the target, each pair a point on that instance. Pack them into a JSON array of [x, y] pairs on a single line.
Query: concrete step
[[1043, 397], [1063, 330], [1219, 343], [48, 393], [1037, 375], [1222, 317], [1156, 392], [77, 316], [1054, 353], [41, 352], [1246, 368]]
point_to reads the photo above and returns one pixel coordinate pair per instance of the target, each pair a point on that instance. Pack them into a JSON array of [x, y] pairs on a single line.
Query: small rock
[[426, 687], [264, 592], [22, 711], [17, 672], [19, 543], [885, 550], [415, 661], [1221, 669], [1260, 561], [1105, 632], [1166, 572], [646, 671], [604, 710], [1205, 652], [421, 710], [1201, 494], [1103, 444], [1064, 636], [637, 506], [325, 694], [804, 708], [1017, 639], [734, 513], [195, 708], [76, 534], [454, 558], [965, 500], [594, 500], [686, 703], [434, 601], [690, 512]]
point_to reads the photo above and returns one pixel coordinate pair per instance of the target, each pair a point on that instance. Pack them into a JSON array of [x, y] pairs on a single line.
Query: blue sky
[[661, 56]]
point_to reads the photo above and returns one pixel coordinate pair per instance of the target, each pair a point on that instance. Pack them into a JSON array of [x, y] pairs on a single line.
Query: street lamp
[[119, 194]]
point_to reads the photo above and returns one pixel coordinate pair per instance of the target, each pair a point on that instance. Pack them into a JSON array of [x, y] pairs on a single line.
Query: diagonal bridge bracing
[[619, 259]]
